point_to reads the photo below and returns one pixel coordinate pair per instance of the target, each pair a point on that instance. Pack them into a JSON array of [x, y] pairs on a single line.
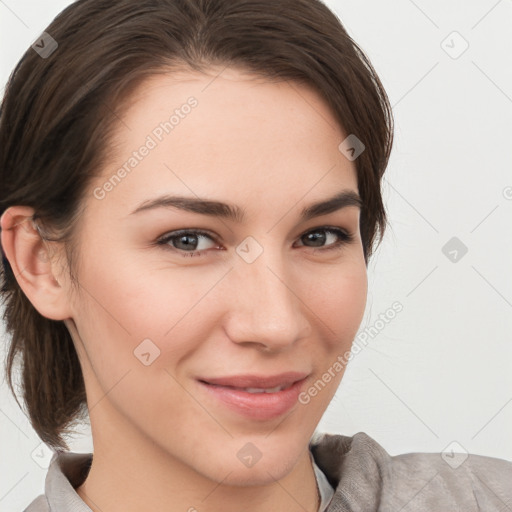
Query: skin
[[160, 442]]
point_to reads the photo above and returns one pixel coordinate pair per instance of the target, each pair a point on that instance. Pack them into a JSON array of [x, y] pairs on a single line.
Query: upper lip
[[257, 381]]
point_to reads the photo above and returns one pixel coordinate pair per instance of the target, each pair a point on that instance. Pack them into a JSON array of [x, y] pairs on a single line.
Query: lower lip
[[259, 406]]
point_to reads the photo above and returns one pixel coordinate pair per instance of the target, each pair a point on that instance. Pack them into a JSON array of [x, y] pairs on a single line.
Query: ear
[[32, 265]]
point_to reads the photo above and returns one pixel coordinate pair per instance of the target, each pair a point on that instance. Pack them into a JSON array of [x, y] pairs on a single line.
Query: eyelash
[[344, 238]]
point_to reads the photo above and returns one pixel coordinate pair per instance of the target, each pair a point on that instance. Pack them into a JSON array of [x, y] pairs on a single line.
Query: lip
[[258, 406]]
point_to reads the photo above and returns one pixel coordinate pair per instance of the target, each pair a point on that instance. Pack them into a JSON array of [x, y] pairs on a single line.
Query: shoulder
[[40, 504], [66, 472], [363, 473], [475, 481]]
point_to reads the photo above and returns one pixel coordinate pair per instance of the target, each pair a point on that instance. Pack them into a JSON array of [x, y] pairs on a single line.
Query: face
[[184, 313]]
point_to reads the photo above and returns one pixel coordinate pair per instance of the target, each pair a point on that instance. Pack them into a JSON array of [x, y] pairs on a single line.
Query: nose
[[266, 309]]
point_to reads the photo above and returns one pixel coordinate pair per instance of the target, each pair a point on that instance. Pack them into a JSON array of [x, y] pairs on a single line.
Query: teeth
[[267, 390]]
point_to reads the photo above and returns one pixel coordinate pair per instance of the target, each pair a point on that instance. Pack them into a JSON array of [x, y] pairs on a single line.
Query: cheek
[[140, 299], [339, 298], [120, 306], [135, 313], [339, 303], [135, 329]]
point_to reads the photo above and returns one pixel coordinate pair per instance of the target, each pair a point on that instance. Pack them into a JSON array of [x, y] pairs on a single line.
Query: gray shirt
[[358, 475]]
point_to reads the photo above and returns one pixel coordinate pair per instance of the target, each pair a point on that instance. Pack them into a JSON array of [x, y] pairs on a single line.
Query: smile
[[255, 397]]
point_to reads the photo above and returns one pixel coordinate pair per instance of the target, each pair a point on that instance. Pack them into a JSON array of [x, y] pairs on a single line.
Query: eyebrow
[[234, 213]]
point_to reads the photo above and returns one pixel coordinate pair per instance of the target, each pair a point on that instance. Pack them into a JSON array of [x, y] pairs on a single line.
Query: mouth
[[258, 383], [256, 397], [262, 390]]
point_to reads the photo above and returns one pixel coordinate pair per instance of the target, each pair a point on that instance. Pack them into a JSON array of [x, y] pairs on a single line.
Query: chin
[[250, 466]]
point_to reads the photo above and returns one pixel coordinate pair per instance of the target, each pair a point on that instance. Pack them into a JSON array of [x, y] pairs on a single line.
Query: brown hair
[[58, 112]]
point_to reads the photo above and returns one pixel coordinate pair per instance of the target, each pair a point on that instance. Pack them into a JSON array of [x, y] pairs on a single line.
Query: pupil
[[183, 239], [316, 237]]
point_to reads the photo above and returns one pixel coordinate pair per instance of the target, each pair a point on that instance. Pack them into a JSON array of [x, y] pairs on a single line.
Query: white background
[[441, 370]]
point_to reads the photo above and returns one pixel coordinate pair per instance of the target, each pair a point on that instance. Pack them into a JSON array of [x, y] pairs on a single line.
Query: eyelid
[[328, 229], [166, 237]]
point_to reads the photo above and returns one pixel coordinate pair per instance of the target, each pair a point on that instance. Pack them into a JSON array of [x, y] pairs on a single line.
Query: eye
[[186, 242], [321, 236]]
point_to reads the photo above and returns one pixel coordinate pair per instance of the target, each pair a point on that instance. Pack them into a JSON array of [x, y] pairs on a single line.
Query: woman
[[190, 197]]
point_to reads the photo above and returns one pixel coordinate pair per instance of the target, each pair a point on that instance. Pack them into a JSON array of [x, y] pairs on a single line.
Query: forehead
[[227, 132]]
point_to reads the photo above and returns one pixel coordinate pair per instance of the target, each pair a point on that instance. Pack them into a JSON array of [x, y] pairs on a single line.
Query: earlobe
[[30, 260]]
